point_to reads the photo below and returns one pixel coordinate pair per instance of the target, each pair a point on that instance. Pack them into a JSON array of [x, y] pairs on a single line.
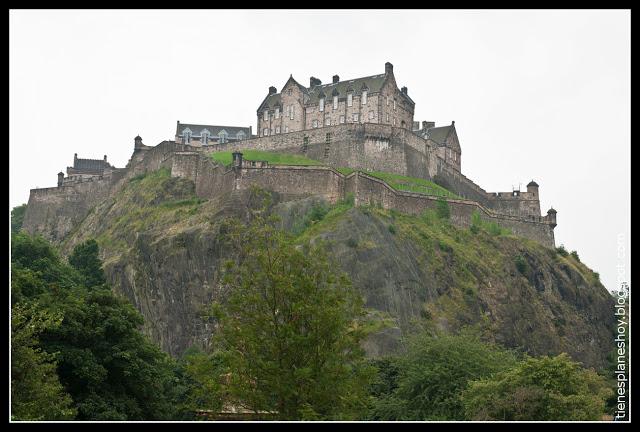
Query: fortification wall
[[367, 146]]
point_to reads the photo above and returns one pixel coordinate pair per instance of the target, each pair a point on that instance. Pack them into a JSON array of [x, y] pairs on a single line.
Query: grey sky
[[541, 95]]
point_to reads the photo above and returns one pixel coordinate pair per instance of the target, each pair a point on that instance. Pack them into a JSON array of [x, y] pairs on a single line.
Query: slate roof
[[90, 164], [196, 130], [532, 183], [437, 134], [372, 83]]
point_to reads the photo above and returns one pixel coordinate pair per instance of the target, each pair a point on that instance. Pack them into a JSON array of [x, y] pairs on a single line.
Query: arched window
[[204, 137], [186, 136], [223, 136]]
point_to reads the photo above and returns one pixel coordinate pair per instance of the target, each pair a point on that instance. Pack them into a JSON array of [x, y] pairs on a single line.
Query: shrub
[[574, 254], [352, 243], [562, 251], [392, 229], [521, 264], [442, 209]]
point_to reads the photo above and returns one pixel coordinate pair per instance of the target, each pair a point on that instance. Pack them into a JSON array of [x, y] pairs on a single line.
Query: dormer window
[[266, 115], [350, 99], [364, 97], [335, 102], [223, 136], [240, 136], [204, 137], [321, 108], [186, 136]]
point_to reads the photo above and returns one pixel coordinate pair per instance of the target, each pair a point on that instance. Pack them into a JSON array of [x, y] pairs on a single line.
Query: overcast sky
[[541, 95]]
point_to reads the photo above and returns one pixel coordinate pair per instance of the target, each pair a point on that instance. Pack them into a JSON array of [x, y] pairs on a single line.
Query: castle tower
[[551, 217], [532, 188], [60, 178], [137, 144]]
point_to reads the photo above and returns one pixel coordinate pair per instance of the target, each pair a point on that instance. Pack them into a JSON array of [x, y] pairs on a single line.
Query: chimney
[[453, 123], [336, 78], [272, 90], [388, 68], [105, 158], [313, 81], [75, 158], [428, 124], [60, 177], [404, 90]]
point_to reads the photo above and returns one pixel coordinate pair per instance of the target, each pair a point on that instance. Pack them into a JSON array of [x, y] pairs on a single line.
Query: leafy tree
[[36, 392], [109, 368], [290, 327], [85, 258], [17, 217], [546, 388], [433, 374], [204, 375]]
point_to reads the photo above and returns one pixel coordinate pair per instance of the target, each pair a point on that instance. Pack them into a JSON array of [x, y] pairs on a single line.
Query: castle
[[365, 124]]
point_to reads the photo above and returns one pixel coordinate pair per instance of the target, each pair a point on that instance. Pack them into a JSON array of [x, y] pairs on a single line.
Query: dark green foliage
[[575, 256], [352, 243], [521, 265], [17, 217], [562, 251], [289, 329], [433, 374], [442, 209], [392, 229], [546, 388], [36, 392], [85, 258], [107, 366]]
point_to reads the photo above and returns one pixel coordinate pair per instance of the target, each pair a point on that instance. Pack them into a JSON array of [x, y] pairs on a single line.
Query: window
[[277, 112], [315, 123], [327, 121], [394, 121], [387, 99], [387, 117], [350, 99], [394, 104], [265, 132], [364, 97], [335, 102], [277, 129], [186, 136], [204, 137], [266, 116], [371, 115], [341, 119], [355, 117], [286, 129], [321, 104], [223, 136], [291, 111], [240, 136], [289, 92]]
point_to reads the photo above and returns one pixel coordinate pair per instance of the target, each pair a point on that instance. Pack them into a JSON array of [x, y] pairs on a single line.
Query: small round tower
[[137, 142], [532, 188], [551, 217]]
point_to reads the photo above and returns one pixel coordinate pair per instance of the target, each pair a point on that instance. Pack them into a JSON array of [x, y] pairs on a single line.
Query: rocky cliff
[[161, 248]]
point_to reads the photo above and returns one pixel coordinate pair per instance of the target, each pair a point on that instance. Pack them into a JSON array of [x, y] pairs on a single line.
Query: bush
[[521, 264], [562, 251], [352, 243], [574, 254], [392, 229], [442, 209]]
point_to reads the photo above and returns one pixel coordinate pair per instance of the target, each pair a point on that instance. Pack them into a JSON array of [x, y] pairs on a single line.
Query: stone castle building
[[373, 99], [365, 124]]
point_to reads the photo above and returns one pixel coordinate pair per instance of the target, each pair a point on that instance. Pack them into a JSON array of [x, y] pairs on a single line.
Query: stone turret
[[532, 188], [551, 217], [60, 178], [137, 143]]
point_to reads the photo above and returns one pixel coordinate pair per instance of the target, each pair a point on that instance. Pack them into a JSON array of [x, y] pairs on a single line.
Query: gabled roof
[[97, 165], [372, 83], [196, 130], [273, 100], [439, 134]]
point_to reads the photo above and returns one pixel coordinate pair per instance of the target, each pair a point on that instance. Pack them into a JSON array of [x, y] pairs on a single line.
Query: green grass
[[412, 184], [226, 158]]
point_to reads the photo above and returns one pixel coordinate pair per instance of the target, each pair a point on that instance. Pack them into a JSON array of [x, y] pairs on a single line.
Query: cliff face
[[161, 249]]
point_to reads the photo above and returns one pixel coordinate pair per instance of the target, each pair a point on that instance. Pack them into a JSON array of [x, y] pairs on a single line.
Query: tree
[[289, 327], [110, 369], [86, 259], [433, 374], [36, 392], [546, 388], [17, 217]]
